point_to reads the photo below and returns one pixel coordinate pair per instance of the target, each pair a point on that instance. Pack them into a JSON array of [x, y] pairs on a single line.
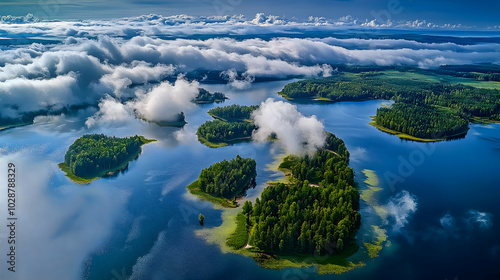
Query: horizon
[[462, 13]]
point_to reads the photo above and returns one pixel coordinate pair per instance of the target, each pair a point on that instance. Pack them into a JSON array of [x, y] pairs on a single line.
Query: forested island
[[423, 109], [224, 181], [423, 122], [96, 155], [204, 96], [233, 113], [315, 213], [231, 124]]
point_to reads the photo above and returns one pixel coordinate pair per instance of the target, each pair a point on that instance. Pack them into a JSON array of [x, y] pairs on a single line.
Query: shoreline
[[207, 143], [330, 264], [195, 190]]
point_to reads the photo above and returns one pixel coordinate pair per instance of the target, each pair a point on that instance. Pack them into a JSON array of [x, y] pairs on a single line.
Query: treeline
[[464, 101], [92, 154], [233, 112], [204, 96], [421, 121], [477, 72], [228, 178], [302, 217], [217, 131]]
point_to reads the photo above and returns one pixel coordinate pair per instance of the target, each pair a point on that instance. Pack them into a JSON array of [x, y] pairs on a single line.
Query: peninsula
[[426, 108]]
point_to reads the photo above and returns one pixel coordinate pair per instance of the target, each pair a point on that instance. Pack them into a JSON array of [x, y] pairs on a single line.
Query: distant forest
[[423, 109]]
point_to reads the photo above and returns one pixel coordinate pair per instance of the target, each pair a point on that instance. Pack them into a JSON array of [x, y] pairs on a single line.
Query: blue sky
[[477, 13]]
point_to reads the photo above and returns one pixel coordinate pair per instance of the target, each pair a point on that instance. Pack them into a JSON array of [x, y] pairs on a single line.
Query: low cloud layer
[[60, 225], [119, 57], [163, 102], [297, 133]]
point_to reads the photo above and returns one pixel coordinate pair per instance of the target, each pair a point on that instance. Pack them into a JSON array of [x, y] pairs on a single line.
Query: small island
[[233, 113], [224, 181], [206, 97], [316, 213], [413, 122], [231, 125], [425, 108], [93, 156]]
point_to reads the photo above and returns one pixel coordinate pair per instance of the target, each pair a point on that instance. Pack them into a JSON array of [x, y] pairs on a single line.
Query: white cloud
[[138, 72], [241, 83], [74, 233], [111, 112], [460, 227], [22, 95], [83, 70], [165, 101], [400, 208], [297, 133], [447, 221], [481, 219], [358, 154]]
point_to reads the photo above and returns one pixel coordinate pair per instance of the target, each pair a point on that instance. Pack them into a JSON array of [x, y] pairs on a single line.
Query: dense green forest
[[438, 103], [204, 96], [228, 178], [217, 131], [428, 122], [231, 124], [93, 155], [477, 72], [223, 181], [233, 113], [302, 217]]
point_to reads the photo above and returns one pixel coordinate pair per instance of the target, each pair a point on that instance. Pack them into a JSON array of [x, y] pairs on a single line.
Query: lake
[[440, 200]]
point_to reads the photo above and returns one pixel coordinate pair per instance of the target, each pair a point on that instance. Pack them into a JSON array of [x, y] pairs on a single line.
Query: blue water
[[141, 223]]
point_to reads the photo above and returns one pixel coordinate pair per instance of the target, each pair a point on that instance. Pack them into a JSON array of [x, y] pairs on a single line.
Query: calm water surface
[[141, 223]]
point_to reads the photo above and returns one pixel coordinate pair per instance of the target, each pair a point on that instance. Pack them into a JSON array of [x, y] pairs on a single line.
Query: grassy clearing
[[326, 99], [221, 144], [211, 144], [327, 264], [79, 180], [194, 188], [83, 181], [438, 78], [239, 238], [480, 120]]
